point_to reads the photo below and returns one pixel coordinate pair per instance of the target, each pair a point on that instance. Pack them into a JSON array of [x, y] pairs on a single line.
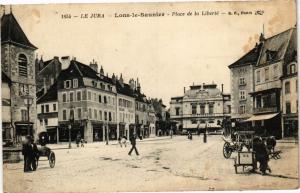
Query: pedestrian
[[119, 141], [78, 138], [34, 155], [262, 156], [124, 140], [26, 150], [82, 141], [133, 145]]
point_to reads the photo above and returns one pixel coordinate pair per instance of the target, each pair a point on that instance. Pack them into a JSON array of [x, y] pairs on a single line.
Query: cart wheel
[[227, 150], [52, 159], [235, 166]]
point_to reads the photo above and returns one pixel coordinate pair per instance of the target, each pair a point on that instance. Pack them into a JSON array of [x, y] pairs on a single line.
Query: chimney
[[55, 58], [65, 62], [94, 66], [222, 86], [183, 90], [113, 78], [101, 71], [262, 37], [121, 80], [131, 84], [138, 86]]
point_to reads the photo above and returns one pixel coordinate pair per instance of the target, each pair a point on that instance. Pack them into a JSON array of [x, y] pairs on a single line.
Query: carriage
[[44, 151]]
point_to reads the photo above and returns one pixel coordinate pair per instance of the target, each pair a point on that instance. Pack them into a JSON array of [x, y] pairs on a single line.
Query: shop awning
[[261, 117]]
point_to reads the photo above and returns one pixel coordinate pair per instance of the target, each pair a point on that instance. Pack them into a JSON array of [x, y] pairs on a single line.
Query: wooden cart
[[244, 159]]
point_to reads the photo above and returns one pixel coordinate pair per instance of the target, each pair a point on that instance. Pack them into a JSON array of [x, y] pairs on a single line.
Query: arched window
[[22, 63]]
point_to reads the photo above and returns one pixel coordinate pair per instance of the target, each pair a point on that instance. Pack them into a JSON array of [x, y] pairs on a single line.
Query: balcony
[[265, 110], [198, 115]]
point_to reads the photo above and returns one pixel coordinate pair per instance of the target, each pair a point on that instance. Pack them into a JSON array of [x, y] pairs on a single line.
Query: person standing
[[26, 150], [78, 138], [262, 157], [34, 155], [133, 145]]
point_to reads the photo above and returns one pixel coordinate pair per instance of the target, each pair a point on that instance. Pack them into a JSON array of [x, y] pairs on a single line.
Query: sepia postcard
[[149, 97]]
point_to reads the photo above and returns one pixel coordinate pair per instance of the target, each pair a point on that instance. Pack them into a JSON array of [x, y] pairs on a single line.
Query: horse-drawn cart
[[44, 151]]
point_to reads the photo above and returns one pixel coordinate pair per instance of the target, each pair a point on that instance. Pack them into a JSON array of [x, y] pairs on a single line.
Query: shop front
[[290, 125], [76, 129], [23, 129], [98, 132], [112, 131]]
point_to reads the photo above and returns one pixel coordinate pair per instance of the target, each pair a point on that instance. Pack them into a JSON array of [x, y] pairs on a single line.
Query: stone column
[[88, 132]]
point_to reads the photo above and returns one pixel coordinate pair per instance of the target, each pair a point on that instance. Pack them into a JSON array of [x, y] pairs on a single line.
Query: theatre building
[[86, 103]]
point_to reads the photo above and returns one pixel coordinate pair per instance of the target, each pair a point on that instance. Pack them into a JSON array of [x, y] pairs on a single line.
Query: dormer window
[[75, 83], [291, 69], [23, 65], [67, 84]]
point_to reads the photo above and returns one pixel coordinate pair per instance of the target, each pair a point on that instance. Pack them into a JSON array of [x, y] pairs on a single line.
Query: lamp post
[[71, 119], [106, 128], [28, 100]]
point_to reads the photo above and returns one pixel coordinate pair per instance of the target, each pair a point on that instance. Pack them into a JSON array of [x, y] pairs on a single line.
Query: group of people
[[30, 153], [261, 155]]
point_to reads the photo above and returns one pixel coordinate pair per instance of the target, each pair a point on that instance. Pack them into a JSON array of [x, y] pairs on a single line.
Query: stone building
[[86, 103], [241, 81], [267, 95], [126, 107], [201, 106], [17, 62], [7, 129], [46, 73], [47, 113]]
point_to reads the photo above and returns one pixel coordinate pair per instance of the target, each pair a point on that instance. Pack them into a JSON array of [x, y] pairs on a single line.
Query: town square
[[149, 97]]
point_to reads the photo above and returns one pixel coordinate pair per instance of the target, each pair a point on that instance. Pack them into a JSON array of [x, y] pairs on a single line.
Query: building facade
[[87, 103], [46, 73], [241, 81], [7, 129], [202, 106], [17, 62], [267, 95]]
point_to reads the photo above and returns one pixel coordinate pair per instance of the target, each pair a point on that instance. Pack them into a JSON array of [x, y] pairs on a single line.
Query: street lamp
[[106, 128], [71, 119], [28, 100]]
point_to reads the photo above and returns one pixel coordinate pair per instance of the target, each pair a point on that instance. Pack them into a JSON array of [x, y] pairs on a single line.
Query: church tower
[[18, 63]]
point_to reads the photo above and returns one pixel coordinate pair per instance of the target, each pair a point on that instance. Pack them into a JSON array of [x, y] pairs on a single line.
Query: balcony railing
[[265, 110], [198, 115]]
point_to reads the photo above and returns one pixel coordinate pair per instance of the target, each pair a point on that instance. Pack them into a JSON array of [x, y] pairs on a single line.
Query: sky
[[166, 53]]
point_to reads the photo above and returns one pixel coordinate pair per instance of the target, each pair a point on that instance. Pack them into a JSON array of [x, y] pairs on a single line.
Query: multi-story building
[[275, 54], [7, 130], [201, 106], [241, 75], [47, 114], [126, 107], [151, 119], [90, 98], [46, 73], [17, 62], [141, 114]]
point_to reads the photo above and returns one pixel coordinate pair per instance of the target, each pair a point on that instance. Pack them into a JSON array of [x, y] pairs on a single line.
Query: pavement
[[167, 164]]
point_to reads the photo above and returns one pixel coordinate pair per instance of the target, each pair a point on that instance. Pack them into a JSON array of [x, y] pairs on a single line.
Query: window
[[41, 122], [100, 99], [46, 121], [242, 81], [258, 101], [275, 70], [78, 95], [71, 115], [266, 74], [242, 109], [105, 115], [287, 87], [75, 83], [258, 76], [84, 95], [293, 68], [64, 114], [177, 110], [90, 113], [23, 89], [24, 116], [54, 107], [109, 116], [242, 95], [64, 97], [42, 108], [47, 108], [71, 96], [22, 63], [120, 102], [89, 95], [67, 84], [95, 97], [194, 121], [211, 109], [105, 101], [95, 114], [288, 107], [79, 113], [202, 109], [194, 109]]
